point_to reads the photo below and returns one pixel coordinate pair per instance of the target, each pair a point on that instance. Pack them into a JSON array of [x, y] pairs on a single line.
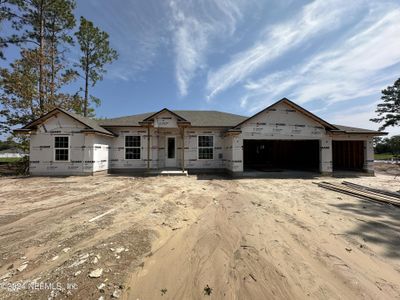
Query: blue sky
[[331, 56]]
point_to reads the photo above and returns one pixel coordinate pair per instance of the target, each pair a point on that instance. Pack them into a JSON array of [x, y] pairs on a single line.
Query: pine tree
[[389, 111], [43, 25], [19, 98], [96, 53]]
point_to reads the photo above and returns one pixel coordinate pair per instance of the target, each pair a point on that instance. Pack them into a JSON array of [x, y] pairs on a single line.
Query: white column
[[325, 155], [369, 156], [237, 154], [87, 155]]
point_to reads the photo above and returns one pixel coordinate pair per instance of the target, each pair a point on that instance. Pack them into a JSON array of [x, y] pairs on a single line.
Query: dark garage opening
[[348, 155], [275, 155]]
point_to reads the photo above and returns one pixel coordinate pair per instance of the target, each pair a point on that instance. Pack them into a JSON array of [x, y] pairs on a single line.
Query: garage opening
[[276, 155], [348, 155]]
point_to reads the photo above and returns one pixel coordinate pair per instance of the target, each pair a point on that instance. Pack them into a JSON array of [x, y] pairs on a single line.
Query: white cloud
[[194, 26], [137, 31], [316, 18], [358, 67]]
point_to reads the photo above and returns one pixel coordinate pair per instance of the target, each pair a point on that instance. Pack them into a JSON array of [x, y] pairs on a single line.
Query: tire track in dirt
[[213, 253]]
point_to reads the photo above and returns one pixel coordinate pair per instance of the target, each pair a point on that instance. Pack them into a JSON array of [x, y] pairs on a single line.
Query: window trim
[[136, 147], [198, 147], [54, 149]]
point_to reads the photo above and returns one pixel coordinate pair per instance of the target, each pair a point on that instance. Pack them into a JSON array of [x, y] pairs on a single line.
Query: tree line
[[388, 145], [44, 32]]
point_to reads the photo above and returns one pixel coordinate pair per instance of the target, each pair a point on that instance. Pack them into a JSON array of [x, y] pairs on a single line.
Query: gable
[[282, 119], [165, 119], [85, 124], [291, 107], [60, 123]]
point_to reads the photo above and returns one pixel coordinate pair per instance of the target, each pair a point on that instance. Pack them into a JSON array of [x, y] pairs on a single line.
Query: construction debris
[[374, 190], [116, 294], [22, 267], [96, 273], [102, 215], [361, 192]]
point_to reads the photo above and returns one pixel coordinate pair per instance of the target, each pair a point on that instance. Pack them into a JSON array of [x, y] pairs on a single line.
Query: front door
[[170, 159]]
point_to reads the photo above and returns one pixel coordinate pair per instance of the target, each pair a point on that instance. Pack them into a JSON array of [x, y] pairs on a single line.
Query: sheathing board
[[87, 153], [158, 148], [91, 153]]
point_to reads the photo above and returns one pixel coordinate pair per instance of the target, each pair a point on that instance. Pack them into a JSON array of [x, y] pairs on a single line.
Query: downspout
[[148, 147]]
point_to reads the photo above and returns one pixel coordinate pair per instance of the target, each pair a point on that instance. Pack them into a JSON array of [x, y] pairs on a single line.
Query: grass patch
[[10, 159], [384, 156]]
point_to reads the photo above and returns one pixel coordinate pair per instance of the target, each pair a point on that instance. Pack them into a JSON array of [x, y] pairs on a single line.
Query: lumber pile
[[363, 192]]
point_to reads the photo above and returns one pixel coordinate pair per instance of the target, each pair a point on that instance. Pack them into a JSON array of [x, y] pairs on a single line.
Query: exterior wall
[[100, 150], [191, 149], [117, 149], [158, 148], [369, 155], [325, 155], [237, 154], [282, 122], [165, 120], [227, 152], [82, 153]]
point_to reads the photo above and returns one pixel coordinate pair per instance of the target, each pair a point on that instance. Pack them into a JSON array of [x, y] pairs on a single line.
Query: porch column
[[183, 149]]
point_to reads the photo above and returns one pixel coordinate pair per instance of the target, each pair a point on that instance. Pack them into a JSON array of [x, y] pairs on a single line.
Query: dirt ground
[[196, 237]]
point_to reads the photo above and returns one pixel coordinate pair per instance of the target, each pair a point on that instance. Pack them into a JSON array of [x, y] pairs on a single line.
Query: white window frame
[[135, 147], [198, 147], [69, 149]]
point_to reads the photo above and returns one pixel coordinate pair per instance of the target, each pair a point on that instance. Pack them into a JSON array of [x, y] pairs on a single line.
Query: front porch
[[166, 149]]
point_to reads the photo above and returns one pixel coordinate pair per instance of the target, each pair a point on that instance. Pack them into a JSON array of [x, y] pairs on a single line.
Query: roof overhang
[[374, 133], [98, 132], [27, 129], [22, 131]]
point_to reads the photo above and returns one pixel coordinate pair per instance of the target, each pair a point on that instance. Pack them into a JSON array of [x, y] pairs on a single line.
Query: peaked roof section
[[197, 118], [164, 110], [297, 107], [90, 123]]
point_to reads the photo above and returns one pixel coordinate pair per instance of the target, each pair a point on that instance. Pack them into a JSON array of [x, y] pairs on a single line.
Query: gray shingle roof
[[349, 129], [195, 117]]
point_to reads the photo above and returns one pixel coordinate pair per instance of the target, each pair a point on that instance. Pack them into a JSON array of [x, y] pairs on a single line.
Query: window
[[61, 148], [132, 147], [206, 146]]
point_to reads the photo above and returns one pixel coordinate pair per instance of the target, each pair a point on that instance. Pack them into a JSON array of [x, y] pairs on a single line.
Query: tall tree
[[60, 19], [95, 54], [36, 22], [4, 16], [19, 96], [389, 111]]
